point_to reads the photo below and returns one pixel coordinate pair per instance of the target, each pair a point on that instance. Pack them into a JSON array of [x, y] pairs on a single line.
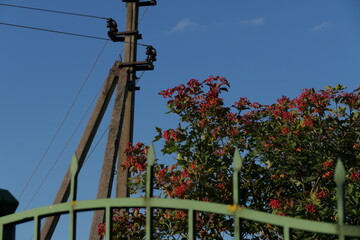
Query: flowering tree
[[289, 151]]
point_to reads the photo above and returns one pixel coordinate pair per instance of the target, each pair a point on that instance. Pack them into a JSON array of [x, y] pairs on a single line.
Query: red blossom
[[101, 229], [181, 215], [136, 157], [171, 134], [322, 194], [310, 208], [167, 93], [275, 203], [329, 163], [355, 176], [180, 190], [185, 173], [285, 130], [328, 174], [161, 174], [255, 105], [242, 103]]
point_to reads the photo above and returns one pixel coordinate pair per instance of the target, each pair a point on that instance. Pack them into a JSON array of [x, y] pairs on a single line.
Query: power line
[[65, 33], [53, 31], [145, 11], [63, 121], [53, 11]]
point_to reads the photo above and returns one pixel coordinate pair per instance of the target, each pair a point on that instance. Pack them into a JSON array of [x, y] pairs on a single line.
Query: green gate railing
[[339, 229]]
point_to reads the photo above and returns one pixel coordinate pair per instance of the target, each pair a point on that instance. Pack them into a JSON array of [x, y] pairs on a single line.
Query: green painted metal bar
[[237, 227], [149, 171], [191, 225], [237, 164], [108, 223], [149, 223], [74, 172], [149, 191], [1, 231], [72, 225], [36, 228], [286, 233], [73, 189], [244, 213], [340, 181]]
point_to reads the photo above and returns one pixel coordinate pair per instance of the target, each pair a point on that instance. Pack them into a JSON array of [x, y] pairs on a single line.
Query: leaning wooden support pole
[[83, 148], [111, 152]]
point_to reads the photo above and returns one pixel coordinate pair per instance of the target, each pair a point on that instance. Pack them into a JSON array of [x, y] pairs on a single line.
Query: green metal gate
[[72, 207]]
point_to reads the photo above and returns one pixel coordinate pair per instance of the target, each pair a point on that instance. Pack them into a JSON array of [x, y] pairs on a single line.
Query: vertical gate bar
[[149, 192], [237, 163], [74, 165], [149, 171], [237, 226], [340, 180], [191, 225], [149, 223], [2, 231], [108, 222], [286, 233], [72, 225], [36, 228]]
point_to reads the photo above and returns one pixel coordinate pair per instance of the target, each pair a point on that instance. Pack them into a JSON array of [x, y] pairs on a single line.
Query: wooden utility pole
[[130, 51], [122, 74]]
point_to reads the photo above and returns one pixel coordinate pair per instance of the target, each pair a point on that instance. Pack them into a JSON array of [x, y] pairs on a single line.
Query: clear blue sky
[[266, 49]]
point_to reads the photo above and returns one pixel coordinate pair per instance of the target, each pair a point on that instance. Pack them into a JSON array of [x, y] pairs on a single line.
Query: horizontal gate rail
[[340, 229], [190, 205]]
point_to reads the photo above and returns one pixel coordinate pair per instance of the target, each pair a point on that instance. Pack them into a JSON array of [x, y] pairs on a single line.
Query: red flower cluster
[[322, 194], [310, 208], [275, 203], [171, 134], [311, 99], [285, 130], [101, 229], [355, 176], [327, 164], [180, 190], [328, 174], [136, 157]]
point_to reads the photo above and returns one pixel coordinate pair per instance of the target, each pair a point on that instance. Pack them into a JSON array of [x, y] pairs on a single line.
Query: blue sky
[[266, 49]]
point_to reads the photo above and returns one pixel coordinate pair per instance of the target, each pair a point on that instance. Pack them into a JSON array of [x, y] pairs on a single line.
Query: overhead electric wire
[[53, 31], [66, 33], [52, 11], [145, 11], [86, 79], [63, 121], [52, 167]]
